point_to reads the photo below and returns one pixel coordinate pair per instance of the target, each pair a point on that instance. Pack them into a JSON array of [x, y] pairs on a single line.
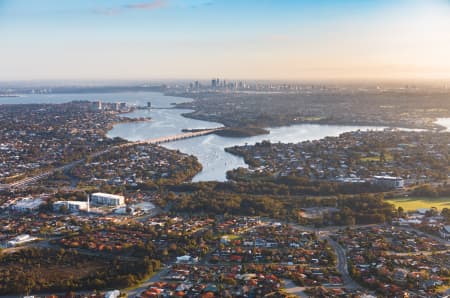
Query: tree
[[400, 211], [446, 214]]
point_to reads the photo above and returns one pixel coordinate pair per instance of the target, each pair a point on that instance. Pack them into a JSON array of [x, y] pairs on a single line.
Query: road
[[27, 181], [163, 272], [30, 180], [419, 232], [342, 265], [144, 285], [293, 289], [341, 256], [416, 253], [341, 262]]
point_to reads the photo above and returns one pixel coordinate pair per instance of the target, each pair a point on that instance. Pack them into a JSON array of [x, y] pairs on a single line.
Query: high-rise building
[[97, 105]]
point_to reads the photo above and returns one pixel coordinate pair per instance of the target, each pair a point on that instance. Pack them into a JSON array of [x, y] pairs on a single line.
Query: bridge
[[177, 137], [160, 140]]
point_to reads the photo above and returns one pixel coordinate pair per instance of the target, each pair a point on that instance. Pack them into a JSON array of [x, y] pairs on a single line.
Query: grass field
[[232, 237], [412, 204]]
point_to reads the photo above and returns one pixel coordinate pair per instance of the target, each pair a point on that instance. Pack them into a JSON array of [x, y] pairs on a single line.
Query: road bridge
[[177, 137], [166, 139]]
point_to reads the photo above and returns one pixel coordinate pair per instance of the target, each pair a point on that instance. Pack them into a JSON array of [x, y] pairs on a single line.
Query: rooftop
[[107, 195]]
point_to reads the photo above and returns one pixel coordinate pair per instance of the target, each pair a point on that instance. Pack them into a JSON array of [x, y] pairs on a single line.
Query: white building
[[27, 205], [187, 260], [112, 294], [97, 105], [107, 199], [389, 181], [21, 239], [445, 232], [72, 206]]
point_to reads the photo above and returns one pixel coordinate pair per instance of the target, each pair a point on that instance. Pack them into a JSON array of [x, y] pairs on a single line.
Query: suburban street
[[143, 286], [342, 266]]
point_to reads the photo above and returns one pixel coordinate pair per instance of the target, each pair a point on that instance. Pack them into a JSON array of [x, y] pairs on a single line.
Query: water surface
[[208, 149]]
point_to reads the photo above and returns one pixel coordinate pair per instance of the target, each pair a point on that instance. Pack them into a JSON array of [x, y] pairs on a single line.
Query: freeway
[[166, 139], [30, 180]]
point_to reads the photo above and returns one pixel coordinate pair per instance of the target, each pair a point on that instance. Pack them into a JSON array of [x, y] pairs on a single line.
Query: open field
[[232, 237], [411, 204]]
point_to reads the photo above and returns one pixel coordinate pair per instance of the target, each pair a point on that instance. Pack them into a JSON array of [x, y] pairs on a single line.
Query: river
[[208, 149]]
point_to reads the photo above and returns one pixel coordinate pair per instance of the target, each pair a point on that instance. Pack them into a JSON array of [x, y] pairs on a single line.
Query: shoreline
[[397, 125], [199, 114]]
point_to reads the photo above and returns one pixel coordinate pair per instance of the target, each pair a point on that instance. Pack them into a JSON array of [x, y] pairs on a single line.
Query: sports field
[[412, 204]]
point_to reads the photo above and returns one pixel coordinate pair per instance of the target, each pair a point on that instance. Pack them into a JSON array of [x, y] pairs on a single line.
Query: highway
[[166, 139]]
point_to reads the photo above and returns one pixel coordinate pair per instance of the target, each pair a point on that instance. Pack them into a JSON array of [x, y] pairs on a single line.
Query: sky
[[233, 39]]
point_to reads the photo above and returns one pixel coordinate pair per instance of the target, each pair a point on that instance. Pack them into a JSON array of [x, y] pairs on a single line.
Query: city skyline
[[200, 39]]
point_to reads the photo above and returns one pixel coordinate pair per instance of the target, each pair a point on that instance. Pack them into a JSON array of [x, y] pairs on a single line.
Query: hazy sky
[[260, 39]]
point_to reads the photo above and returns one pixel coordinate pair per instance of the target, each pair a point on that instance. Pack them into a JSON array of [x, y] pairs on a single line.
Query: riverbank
[[321, 107], [210, 149], [431, 124], [124, 119]]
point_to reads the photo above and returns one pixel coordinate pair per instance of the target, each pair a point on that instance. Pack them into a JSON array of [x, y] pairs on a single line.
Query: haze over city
[[250, 39], [224, 148]]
